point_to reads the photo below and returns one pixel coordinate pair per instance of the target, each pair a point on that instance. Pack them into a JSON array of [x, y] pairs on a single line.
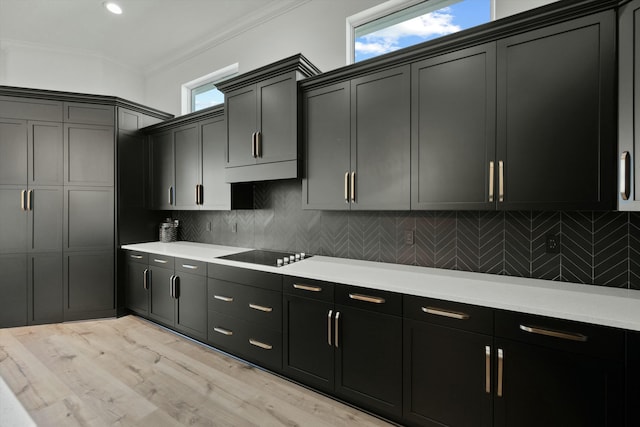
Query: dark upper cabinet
[[13, 152], [86, 113], [453, 114], [262, 121], [215, 192], [88, 219], [13, 285], [13, 227], [629, 107], [89, 152], [357, 138], [45, 219], [556, 116], [162, 170], [188, 166], [45, 163]]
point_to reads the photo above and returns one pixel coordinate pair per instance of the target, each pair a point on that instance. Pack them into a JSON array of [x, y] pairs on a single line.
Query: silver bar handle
[[260, 344], [353, 187], [171, 285], [253, 145], [258, 144], [160, 261], [197, 194], [136, 256], [171, 195], [307, 288], [491, 178], [223, 331], [190, 267], [501, 181], [367, 298], [336, 323], [145, 279], [201, 194], [261, 308], [446, 313], [223, 298], [23, 200], [625, 175], [329, 327], [29, 200], [487, 369], [500, 371], [346, 187], [571, 336], [176, 287]]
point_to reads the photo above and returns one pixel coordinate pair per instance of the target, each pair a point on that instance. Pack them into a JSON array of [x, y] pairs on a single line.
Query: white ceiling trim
[[271, 10]]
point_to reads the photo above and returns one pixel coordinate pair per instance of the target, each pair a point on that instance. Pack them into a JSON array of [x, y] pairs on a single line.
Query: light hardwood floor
[[129, 372]]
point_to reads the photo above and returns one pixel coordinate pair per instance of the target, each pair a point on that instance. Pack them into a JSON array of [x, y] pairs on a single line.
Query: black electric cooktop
[[273, 258]]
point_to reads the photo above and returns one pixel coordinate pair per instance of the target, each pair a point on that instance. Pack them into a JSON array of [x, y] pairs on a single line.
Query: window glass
[[205, 96], [424, 21]]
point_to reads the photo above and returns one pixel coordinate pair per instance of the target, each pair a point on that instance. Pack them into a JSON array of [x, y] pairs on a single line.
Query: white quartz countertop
[[599, 305]]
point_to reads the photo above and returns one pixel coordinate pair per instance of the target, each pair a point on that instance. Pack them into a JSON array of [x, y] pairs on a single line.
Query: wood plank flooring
[[129, 372]]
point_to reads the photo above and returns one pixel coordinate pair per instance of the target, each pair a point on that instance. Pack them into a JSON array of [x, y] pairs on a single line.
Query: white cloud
[[438, 23]]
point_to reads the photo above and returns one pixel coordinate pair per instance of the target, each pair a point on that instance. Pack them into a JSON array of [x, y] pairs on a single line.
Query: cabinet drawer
[[451, 314], [308, 288], [566, 335], [369, 299], [224, 332], [134, 256], [94, 114], [184, 265], [161, 261], [259, 279], [245, 302]]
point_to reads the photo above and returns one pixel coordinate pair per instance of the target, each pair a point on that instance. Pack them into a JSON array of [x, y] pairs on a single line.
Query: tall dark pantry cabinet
[[58, 204]]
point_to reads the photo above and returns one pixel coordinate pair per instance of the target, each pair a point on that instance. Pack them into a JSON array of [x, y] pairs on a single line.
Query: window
[[401, 23], [202, 92]]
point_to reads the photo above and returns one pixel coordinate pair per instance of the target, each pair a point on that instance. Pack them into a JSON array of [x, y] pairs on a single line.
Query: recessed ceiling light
[[113, 7]]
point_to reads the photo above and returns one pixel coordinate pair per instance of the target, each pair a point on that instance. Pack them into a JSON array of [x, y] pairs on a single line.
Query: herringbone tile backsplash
[[600, 248]]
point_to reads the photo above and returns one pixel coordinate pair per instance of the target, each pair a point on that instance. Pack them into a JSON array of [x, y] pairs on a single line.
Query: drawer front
[[161, 261], [224, 332], [566, 335], [308, 288], [246, 302], [369, 299], [184, 265], [259, 279], [263, 346], [450, 314], [135, 256]]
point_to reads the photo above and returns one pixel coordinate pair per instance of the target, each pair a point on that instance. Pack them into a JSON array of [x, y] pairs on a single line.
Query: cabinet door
[[453, 130], [629, 105], [13, 226], [161, 303], [547, 387], [46, 289], [308, 345], [277, 119], [188, 166], [88, 218], [380, 140], [556, 116], [13, 287], [89, 153], [162, 170], [216, 193], [89, 285], [45, 153], [136, 292], [45, 219], [13, 152], [369, 360], [241, 110], [326, 148], [447, 381], [191, 305]]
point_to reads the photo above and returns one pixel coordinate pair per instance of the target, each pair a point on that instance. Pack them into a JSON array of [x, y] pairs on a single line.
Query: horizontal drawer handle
[[572, 336], [223, 331], [445, 313], [160, 261], [136, 256], [261, 308], [367, 298], [190, 267], [223, 298], [308, 288], [260, 344]]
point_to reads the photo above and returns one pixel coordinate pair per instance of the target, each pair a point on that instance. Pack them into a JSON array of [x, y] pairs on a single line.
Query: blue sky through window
[[456, 17]]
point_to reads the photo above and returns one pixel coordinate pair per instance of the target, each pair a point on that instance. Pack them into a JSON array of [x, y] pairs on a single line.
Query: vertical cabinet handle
[[145, 279], [176, 287], [346, 187], [491, 178], [329, 327], [501, 181], [500, 370], [171, 285], [197, 194], [336, 324], [487, 369], [353, 187], [170, 196], [201, 194], [29, 200], [258, 144], [22, 200], [625, 175]]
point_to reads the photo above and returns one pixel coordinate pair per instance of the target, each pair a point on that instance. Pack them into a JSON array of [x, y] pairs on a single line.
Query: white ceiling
[[147, 36]]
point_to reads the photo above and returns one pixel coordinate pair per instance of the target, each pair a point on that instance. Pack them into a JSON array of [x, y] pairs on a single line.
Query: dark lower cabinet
[[89, 285], [137, 282], [161, 301], [45, 279], [633, 378], [13, 287], [191, 304]]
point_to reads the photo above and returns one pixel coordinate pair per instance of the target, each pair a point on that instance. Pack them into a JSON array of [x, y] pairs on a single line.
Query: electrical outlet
[[408, 237], [234, 227], [552, 244], [208, 226]]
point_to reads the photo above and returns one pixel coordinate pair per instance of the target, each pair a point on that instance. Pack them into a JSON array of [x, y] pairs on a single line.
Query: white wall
[[46, 67], [504, 8]]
